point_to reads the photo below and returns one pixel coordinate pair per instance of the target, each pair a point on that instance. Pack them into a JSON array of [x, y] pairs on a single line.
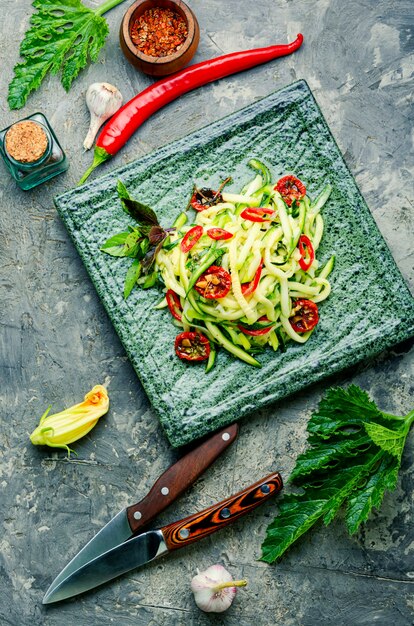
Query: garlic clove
[[214, 589], [102, 100]]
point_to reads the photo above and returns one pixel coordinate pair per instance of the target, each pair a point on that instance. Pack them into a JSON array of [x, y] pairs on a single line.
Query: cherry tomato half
[[263, 322], [249, 288], [290, 188], [174, 304], [191, 238], [256, 214], [219, 233], [307, 252], [215, 283], [205, 198], [192, 346], [304, 316]]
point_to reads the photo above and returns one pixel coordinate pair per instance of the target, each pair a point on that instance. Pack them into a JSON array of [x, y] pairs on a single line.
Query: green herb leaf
[[132, 276], [352, 459], [64, 35], [142, 213], [115, 245]]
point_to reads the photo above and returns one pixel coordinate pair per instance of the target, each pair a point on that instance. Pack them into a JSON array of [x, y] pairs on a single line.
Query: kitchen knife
[[151, 545], [169, 486]]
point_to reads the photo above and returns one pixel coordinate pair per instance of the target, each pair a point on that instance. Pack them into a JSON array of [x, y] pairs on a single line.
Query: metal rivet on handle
[[165, 491], [137, 515], [225, 436], [184, 533], [225, 513], [265, 489]]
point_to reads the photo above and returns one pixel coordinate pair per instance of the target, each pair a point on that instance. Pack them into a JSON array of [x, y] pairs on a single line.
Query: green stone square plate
[[369, 309]]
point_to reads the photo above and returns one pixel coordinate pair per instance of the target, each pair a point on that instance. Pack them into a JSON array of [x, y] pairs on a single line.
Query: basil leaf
[[132, 276], [115, 245], [142, 213]]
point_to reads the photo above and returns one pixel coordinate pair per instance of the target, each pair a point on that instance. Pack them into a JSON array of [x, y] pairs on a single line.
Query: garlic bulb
[[103, 100], [214, 589]]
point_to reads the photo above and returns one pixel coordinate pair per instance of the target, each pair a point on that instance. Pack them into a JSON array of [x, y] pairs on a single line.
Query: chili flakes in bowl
[[159, 32]]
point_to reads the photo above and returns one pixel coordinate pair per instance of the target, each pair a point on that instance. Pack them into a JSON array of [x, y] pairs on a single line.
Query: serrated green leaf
[[391, 441], [371, 494], [64, 35], [352, 459]]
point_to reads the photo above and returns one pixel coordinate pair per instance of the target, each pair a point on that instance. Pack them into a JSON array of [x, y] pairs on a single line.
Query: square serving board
[[369, 309]]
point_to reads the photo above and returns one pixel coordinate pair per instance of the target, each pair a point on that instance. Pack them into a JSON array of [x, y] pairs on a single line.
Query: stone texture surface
[[56, 342]]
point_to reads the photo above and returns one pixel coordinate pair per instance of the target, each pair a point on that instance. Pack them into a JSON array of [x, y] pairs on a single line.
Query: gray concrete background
[[56, 342]]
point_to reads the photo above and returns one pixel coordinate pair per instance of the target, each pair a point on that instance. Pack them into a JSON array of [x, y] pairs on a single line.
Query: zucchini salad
[[239, 271], [244, 274]]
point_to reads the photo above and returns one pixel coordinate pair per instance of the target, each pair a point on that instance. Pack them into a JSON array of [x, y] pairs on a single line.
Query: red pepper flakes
[[159, 32]]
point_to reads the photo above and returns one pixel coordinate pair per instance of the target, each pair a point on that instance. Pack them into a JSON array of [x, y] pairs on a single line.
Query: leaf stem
[[107, 6]]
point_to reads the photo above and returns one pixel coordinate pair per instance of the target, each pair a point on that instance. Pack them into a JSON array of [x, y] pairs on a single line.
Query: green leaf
[[140, 212], [115, 245], [132, 276], [389, 440], [352, 459], [64, 35]]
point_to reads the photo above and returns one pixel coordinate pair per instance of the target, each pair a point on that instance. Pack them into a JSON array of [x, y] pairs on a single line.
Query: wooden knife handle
[[195, 527], [177, 478]]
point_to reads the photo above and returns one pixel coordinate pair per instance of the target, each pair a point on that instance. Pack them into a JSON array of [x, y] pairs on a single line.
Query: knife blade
[[149, 546], [169, 486]]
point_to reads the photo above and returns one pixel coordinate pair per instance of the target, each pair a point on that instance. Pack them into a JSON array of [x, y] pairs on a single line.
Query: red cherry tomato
[[304, 316], [192, 346], [290, 188], [307, 252], [249, 288], [174, 304], [219, 233], [204, 198], [256, 214], [215, 283], [191, 238], [264, 327]]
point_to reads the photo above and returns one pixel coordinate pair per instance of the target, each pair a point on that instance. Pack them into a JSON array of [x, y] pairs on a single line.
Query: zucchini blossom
[[61, 429]]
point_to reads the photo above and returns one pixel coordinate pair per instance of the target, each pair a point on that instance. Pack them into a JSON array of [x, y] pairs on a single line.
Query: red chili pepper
[[291, 189], [255, 332], [130, 117], [219, 233], [307, 252], [256, 214], [174, 304], [249, 288], [191, 238]]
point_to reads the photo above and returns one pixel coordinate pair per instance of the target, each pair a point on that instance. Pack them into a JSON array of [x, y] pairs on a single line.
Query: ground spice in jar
[[159, 32], [26, 142]]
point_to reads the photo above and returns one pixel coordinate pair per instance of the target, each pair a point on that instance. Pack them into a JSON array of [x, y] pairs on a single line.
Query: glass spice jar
[[31, 151]]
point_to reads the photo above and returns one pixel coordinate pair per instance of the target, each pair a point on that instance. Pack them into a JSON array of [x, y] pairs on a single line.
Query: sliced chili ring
[[204, 198], [258, 328], [190, 238], [219, 233], [214, 283], [304, 315], [249, 288], [291, 189], [174, 304], [257, 214], [307, 252], [192, 346]]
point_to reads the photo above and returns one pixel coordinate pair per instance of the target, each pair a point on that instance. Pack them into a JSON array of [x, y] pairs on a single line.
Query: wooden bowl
[[159, 66]]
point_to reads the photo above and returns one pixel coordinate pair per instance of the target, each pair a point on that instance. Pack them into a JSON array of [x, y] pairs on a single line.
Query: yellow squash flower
[[61, 429]]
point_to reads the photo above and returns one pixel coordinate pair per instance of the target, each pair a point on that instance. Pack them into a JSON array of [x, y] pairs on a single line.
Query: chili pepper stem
[[231, 583], [100, 156], [107, 6]]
